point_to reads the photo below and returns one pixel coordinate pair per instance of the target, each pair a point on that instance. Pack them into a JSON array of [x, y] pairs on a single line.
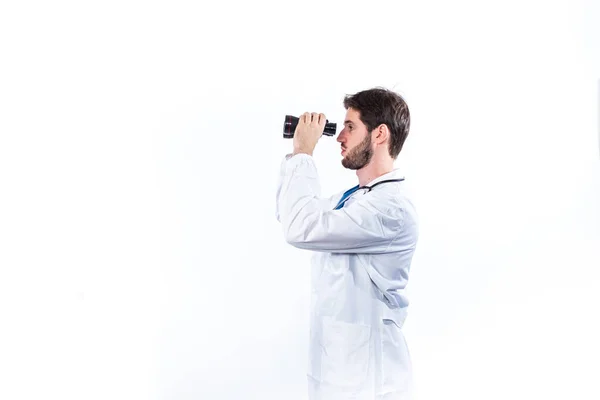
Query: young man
[[363, 242]]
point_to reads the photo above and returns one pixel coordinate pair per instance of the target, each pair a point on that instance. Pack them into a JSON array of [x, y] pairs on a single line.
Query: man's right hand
[[308, 132]]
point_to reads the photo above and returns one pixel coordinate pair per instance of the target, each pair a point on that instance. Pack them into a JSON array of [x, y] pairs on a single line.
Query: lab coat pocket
[[345, 353]]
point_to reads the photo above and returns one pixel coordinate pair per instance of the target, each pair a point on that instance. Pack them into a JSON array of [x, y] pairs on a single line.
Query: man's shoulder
[[392, 202]]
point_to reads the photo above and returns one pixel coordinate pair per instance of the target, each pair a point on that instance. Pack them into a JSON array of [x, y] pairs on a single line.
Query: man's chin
[[348, 165]]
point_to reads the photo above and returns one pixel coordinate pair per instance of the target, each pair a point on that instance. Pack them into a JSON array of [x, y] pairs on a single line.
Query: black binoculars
[[290, 123]]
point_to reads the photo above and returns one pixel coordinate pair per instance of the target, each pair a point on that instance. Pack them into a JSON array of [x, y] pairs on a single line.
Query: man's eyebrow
[[348, 122]]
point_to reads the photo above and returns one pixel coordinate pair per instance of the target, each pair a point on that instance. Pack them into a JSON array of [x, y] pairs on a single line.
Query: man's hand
[[310, 128]]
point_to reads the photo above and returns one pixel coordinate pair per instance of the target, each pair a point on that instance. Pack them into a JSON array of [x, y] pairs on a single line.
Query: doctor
[[363, 241]]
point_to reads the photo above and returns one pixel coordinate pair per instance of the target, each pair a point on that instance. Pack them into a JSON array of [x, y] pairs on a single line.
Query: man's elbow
[[294, 235], [301, 231], [291, 236]]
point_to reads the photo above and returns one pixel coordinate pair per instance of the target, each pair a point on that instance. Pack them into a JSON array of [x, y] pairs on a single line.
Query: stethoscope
[[347, 194]]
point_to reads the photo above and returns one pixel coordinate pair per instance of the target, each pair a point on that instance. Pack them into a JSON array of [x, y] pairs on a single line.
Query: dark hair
[[382, 106]]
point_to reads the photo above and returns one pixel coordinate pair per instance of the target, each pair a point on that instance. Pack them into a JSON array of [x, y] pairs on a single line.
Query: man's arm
[[365, 226], [325, 203]]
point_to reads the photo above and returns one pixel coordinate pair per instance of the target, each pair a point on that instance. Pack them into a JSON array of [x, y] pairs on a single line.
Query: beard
[[360, 155]]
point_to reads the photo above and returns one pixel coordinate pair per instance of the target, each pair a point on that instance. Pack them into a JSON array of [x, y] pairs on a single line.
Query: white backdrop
[[140, 144]]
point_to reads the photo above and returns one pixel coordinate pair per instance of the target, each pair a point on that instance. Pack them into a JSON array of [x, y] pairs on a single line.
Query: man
[[363, 242]]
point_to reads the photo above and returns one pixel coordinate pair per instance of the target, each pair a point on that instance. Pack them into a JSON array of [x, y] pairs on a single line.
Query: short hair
[[382, 106]]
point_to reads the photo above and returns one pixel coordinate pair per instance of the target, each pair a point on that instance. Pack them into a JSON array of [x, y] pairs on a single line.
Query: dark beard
[[359, 156]]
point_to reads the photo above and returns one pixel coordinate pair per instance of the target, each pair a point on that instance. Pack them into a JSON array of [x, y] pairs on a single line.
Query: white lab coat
[[360, 265]]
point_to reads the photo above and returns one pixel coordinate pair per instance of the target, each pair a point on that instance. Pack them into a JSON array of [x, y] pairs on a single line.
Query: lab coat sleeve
[[323, 202], [368, 225]]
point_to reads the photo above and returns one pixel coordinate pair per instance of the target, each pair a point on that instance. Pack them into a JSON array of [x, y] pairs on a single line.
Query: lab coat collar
[[393, 174]]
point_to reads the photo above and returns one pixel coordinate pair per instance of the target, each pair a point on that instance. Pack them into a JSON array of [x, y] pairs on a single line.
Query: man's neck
[[373, 171]]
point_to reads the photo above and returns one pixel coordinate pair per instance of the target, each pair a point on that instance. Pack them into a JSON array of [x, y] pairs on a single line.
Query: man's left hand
[[308, 132]]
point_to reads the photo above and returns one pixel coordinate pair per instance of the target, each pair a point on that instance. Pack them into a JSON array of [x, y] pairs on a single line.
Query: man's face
[[355, 141]]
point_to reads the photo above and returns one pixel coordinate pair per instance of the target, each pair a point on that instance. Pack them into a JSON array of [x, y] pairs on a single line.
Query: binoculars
[[290, 123]]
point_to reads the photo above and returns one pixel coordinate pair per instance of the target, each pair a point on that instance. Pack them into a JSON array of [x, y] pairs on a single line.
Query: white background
[[140, 144]]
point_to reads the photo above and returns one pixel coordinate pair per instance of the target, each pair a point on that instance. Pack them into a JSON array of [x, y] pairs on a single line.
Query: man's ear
[[381, 133]]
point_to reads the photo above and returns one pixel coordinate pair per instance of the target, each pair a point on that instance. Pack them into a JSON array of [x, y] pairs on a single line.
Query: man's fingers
[[322, 119], [313, 117]]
